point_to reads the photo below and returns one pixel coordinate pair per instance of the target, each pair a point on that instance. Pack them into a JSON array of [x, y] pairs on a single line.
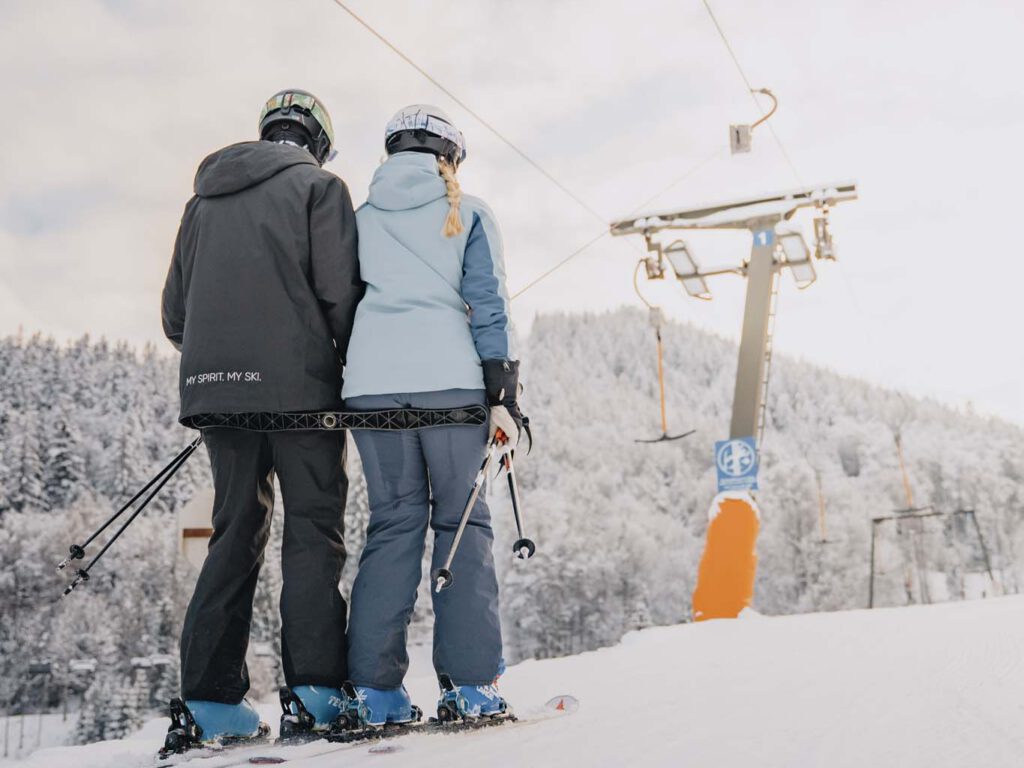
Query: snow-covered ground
[[20, 736], [924, 687]]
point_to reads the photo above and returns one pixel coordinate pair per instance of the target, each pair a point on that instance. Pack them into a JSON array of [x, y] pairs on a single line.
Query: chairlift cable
[[508, 142], [562, 263], [753, 93], [604, 231], [678, 180]]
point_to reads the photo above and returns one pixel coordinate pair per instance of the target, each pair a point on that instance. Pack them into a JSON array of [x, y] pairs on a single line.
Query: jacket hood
[[245, 165], [406, 180]]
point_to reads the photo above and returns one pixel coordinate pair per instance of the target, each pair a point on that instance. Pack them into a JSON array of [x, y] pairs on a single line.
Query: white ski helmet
[[425, 128]]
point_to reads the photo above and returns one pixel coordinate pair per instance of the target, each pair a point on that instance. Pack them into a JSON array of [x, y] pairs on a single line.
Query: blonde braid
[[453, 223]]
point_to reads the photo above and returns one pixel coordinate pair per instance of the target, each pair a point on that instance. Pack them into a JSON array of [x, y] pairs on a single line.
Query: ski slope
[[923, 687]]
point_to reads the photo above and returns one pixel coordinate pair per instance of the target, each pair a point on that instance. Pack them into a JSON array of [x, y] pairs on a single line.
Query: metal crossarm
[[766, 209]]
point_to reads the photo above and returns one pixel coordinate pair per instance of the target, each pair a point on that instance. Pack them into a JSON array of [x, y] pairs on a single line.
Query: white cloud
[[116, 102]]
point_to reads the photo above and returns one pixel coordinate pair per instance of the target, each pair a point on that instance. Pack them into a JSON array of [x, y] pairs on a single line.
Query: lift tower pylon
[[725, 580]]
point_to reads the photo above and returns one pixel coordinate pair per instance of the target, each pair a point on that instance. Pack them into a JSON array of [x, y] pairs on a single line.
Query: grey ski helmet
[[425, 128]]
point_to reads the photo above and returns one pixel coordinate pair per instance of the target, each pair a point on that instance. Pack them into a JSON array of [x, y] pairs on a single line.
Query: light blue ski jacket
[[434, 306]]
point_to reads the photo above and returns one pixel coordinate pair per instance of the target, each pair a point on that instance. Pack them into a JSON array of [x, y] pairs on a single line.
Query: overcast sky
[[111, 104]]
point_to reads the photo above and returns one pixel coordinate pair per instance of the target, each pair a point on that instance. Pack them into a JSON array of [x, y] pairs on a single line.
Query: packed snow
[[926, 687]]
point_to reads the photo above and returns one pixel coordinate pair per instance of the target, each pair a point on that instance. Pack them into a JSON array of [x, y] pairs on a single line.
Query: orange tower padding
[[725, 580]]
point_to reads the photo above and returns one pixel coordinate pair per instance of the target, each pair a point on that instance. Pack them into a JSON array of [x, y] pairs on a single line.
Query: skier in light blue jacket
[[432, 331]]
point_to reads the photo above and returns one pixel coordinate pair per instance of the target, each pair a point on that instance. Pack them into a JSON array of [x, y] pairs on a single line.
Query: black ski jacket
[[264, 282]]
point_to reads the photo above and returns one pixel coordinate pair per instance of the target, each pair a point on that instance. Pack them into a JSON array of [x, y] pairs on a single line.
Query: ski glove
[[501, 418], [501, 382]]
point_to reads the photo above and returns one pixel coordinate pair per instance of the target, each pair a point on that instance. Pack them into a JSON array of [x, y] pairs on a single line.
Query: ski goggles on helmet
[[285, 101]]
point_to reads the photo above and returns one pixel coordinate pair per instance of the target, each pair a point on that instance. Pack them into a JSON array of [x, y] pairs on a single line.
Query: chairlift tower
[[726, 577]]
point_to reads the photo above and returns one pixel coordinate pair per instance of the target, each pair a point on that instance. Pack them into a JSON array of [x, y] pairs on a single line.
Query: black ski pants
[[310, 467]]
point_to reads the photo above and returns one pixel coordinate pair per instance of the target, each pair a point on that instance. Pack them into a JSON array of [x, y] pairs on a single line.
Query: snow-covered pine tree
[[5, 496], [127, 464], [26, 488], [640, 617], [5, 449], [166, 681], [138, 698], [64, 472], [94, 715]]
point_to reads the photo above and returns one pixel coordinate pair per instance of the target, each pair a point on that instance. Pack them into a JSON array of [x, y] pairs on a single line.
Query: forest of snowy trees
[[619, 525]]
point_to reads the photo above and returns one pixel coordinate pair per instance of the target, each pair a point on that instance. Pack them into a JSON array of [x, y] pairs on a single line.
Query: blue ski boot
[[469, 702], [308, 711], [375, 707], [196, 723]]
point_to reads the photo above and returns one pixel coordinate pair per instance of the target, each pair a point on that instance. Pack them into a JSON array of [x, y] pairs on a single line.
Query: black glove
[[501, 382]]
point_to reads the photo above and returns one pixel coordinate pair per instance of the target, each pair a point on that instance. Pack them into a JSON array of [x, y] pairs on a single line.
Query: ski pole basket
[[523, 548]]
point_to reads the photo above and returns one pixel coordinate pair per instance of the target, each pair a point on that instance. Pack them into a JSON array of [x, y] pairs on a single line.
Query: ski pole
[[524, 547], [77, 551], [82, 574], [443, 577]]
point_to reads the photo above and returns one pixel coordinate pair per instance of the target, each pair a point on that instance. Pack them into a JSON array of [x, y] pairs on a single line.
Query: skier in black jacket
[[260, 299]]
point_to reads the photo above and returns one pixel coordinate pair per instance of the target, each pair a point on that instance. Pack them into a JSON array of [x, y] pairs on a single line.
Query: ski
[[431, 726], [217, 749], [199, 754], [380, 739]]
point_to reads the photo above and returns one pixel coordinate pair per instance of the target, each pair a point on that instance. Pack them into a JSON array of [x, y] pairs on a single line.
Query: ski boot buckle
[[297, 722], [183, 732]]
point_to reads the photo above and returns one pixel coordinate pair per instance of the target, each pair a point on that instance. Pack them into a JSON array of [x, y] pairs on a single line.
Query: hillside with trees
[[619, 524]]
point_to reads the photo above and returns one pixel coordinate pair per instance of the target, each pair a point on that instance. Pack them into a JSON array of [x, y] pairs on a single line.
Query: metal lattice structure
[[389, 419], [959, 530]]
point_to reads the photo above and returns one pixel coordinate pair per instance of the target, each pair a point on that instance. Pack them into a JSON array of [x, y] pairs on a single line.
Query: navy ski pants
[[417, 478]]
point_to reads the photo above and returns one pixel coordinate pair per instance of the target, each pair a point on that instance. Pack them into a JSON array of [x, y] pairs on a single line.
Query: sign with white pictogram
[[736, 464]]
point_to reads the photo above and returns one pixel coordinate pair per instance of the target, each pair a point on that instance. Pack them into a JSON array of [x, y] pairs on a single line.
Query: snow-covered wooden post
[[195, 527]]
